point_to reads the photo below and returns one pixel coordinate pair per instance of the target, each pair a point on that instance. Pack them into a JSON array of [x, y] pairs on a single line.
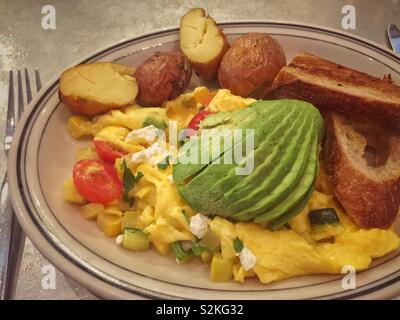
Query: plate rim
[[45, 247]]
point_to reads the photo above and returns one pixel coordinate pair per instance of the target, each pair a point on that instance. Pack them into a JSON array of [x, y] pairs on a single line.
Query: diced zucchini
[[86, 153], [323, 216], [78, 126], [221, 269], [130, 220], [71, 194], [90, 211], [325, 223], [135, 240], [110, 224], [210, 242]]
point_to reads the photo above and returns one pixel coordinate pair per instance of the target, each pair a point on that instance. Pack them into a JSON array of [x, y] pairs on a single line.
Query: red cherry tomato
[[107, 151], [194, 123], [97, 181]]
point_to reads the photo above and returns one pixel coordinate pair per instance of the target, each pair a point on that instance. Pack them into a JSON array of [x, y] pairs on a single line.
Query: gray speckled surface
[[84, 26]]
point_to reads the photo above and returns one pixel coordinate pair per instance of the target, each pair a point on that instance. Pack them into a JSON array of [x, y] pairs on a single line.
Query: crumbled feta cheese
[[247, 259], [199, 225], [143, 135], [171, 179], [119, 239], [152, 154], [155, 153]]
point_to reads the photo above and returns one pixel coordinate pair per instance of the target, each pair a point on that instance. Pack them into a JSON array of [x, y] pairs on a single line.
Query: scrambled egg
[[279, 254]]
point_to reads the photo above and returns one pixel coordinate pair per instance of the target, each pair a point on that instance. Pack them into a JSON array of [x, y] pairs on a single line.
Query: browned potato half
[[250, 64], [92, 89], [202, 42], [162, 77]]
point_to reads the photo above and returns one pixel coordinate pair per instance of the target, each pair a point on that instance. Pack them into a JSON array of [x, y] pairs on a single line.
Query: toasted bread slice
[[363, 165], [330, 86]]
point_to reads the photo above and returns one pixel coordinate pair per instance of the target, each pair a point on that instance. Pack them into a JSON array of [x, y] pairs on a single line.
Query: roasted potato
[[202, 42], [250, 64], [162, 77], [92, 89]]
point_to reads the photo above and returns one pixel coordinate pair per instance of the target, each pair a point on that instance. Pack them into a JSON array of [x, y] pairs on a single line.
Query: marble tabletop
[[83, 26]]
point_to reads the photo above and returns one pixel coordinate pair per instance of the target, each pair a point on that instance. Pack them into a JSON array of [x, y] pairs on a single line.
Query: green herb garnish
[[129, 180], [139, 175], [164, 163], [180, 253], [197, 250], [237, 245]]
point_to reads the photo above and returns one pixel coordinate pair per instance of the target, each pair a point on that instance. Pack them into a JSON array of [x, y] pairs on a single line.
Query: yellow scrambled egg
[[280, 254]]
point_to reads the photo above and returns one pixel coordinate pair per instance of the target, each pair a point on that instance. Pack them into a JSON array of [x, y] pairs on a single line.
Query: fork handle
[[10, 233]]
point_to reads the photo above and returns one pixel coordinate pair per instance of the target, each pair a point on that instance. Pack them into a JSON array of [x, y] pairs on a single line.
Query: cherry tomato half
[[107, 151], [194, 123], [97, 181]]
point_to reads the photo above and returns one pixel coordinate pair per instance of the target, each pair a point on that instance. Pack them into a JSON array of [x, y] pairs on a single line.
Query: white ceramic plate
[[42, 157]]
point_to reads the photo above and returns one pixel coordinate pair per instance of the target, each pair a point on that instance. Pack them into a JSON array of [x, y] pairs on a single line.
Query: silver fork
[[12, 239]]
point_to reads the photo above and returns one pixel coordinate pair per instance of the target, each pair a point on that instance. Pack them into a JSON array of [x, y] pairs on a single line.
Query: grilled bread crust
[[332, 87], [369, 194]]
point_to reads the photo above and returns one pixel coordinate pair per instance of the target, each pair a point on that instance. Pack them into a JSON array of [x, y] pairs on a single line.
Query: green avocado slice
[[283, 183], [282, 220], [183, 171], [282, 154], [208, 186], [298, 193], [239, 193], [273, 172], [233, 186]]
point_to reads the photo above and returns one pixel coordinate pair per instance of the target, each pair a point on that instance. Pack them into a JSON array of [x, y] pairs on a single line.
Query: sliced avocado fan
[[234, 187], [287, 134], [210, 185]]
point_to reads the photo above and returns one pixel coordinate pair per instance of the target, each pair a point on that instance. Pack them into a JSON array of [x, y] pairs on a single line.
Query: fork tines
[[14, 111]]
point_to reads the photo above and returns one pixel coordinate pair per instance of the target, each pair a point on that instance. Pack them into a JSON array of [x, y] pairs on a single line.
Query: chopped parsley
[[237, 245], [180, 253], [129, 180], [164, 163], [198, 250]]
